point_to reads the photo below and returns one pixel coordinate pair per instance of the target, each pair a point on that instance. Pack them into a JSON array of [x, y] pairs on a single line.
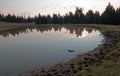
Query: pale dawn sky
[[33, 7]]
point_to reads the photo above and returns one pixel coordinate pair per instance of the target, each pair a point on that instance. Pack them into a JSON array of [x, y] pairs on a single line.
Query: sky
[[44, 7]]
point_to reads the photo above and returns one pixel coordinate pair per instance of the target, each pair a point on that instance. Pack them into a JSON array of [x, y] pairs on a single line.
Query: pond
[[26, 48]]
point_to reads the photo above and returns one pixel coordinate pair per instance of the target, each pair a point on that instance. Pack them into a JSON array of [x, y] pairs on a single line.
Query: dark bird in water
[[71, 50]]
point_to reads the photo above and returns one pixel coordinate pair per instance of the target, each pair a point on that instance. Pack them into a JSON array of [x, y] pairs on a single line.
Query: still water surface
[[32, 47]]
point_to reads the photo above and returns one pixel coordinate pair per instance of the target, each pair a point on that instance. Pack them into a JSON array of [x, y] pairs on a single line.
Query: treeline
[[109, 16]]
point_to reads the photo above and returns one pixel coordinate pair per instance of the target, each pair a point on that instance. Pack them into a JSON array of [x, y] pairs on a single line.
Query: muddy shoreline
[[81, 61]]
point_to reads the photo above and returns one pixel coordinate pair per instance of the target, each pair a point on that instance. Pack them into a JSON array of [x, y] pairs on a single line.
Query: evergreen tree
[[118, 16], [109, 15], [0, 17], [55, 19], [29, 19], [60, 19], [66, 18], [79, 16], [71, 17], [49, 19], [90, 17], [38, 20], [97, 17], [8, 18]]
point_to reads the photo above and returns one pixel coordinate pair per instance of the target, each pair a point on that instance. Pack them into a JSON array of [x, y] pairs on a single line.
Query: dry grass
[[7, 26]]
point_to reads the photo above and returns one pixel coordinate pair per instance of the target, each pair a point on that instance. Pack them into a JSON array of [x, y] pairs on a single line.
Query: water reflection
[[79, 32], [37, 46]]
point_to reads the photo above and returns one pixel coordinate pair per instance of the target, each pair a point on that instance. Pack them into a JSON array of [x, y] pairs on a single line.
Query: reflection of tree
[[89, 30], [79, 32], [14, 32], [43, 28], [57, 28], [72, 29]]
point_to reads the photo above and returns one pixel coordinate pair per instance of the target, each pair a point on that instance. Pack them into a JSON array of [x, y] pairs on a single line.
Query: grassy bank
[[110, 64]]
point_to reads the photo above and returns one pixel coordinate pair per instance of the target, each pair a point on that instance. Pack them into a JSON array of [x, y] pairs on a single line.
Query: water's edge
[[66, 64], [74, 65]]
